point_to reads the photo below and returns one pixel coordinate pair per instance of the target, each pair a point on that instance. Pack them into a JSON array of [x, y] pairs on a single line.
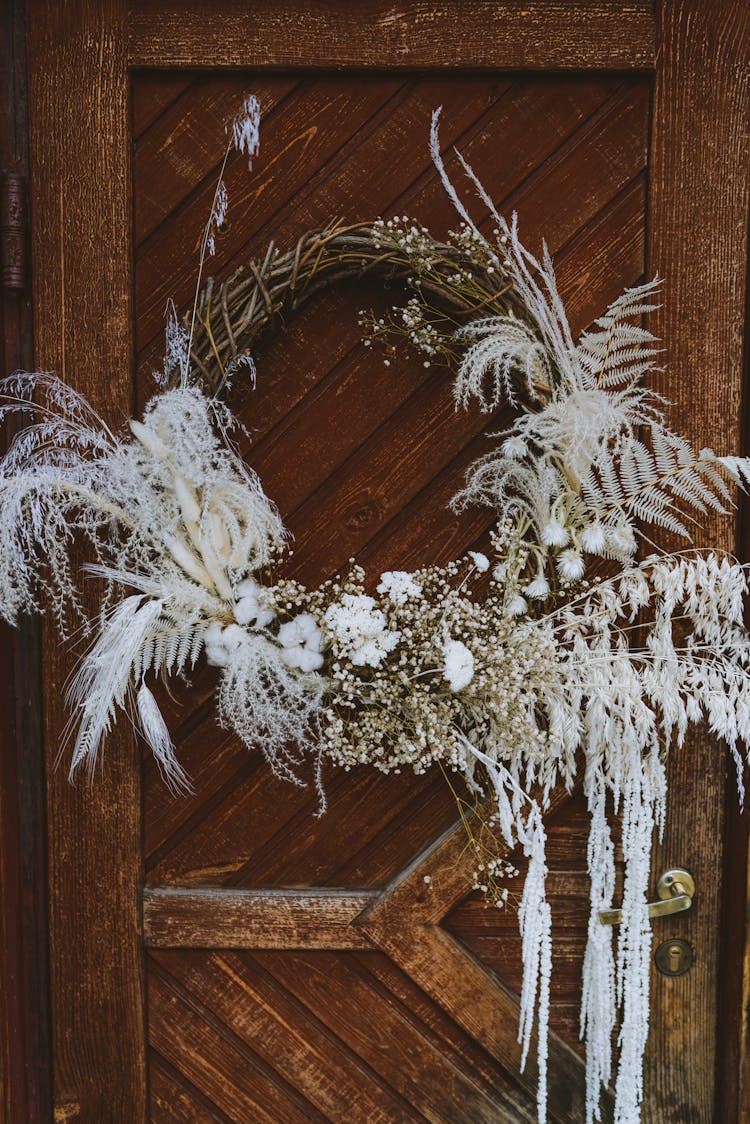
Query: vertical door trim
[[80, 157], [699, 175]]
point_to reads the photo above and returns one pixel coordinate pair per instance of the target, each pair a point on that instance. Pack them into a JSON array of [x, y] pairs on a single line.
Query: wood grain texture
[[174, 918], [549, 34], [80, 193], [25, 1085], [698, 212]]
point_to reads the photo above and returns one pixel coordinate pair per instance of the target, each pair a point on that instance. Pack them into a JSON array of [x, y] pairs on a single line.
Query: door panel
[[361, 458]]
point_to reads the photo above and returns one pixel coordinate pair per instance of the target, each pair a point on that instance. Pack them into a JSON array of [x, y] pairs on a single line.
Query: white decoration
[[399, 585], [459, 665]]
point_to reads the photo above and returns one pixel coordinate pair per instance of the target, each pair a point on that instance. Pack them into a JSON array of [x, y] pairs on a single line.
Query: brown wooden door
[[228, 956]]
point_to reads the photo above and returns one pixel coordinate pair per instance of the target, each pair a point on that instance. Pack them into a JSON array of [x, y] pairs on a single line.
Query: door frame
[[79, 59]]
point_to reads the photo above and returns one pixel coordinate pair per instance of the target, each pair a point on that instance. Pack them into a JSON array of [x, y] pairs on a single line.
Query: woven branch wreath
[[538, 674]]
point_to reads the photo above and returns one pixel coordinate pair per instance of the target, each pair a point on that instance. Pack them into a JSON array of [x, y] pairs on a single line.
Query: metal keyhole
[[674, 958]]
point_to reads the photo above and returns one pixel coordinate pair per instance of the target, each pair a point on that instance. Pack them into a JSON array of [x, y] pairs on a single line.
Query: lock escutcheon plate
[[674, 957]]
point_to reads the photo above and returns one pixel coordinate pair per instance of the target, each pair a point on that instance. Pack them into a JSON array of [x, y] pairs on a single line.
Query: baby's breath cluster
[[464, 266]]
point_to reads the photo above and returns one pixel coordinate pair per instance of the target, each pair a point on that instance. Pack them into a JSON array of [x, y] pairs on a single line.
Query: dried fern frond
[[617, 352], [657, 484]]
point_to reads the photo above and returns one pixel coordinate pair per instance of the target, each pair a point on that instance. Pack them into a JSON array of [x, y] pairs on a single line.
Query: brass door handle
[[675, 889]]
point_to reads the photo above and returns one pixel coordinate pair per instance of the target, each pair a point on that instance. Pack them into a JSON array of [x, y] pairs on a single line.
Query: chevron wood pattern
[[301, 968]]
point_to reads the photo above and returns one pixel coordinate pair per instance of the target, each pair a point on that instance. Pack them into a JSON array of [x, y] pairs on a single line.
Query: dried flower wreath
[[539, 676]]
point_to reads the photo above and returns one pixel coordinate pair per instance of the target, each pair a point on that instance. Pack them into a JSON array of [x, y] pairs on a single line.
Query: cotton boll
[[217, 655], [212, 635], [248, 611], [459, 665], [233, 637], [301, 640], [248, 587], [302, 658], [554, 534], [481, 561]]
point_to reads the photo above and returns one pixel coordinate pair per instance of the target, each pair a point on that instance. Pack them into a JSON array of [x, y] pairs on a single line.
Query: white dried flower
[[517, 606], [514, 447], [481, 561], [399, 585], [459, 664], [361, 627], [538, 588], [621, 539], [570, 565], [593, 538], [554, 534]]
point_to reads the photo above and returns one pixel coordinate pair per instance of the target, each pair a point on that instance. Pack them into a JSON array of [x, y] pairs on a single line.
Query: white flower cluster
[[361, 630]]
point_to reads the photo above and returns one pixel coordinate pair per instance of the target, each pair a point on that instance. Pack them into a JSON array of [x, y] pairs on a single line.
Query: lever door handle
[[675, 889]]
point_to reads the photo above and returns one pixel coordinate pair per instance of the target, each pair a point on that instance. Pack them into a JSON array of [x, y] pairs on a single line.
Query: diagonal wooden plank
[[222, 1066], [185, 146], [482, 1006], [387, 1037], [173, 1100], [404, 923]]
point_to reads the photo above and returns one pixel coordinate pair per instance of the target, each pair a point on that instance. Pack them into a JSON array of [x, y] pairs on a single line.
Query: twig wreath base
[[540, 674], [259, 298]]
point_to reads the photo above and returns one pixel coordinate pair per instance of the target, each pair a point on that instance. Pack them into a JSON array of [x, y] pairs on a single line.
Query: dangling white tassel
[[534, 915], [535, 924], [641, 797], [598, 999], [154, 730]]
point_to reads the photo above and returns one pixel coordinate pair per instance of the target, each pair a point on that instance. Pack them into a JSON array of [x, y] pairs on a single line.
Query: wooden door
[[228, 956]]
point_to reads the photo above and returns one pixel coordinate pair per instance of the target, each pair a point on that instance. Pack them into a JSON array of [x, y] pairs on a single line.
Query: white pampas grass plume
[[245, 127], [218, 216], [187, 499], [154, 729], [101, 682]]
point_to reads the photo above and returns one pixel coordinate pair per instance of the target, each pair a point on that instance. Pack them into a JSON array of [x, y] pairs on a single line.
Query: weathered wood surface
[[81, 260], [698, 211], [603, 34], [342, 1033], [177, 918], [25, 1087]]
